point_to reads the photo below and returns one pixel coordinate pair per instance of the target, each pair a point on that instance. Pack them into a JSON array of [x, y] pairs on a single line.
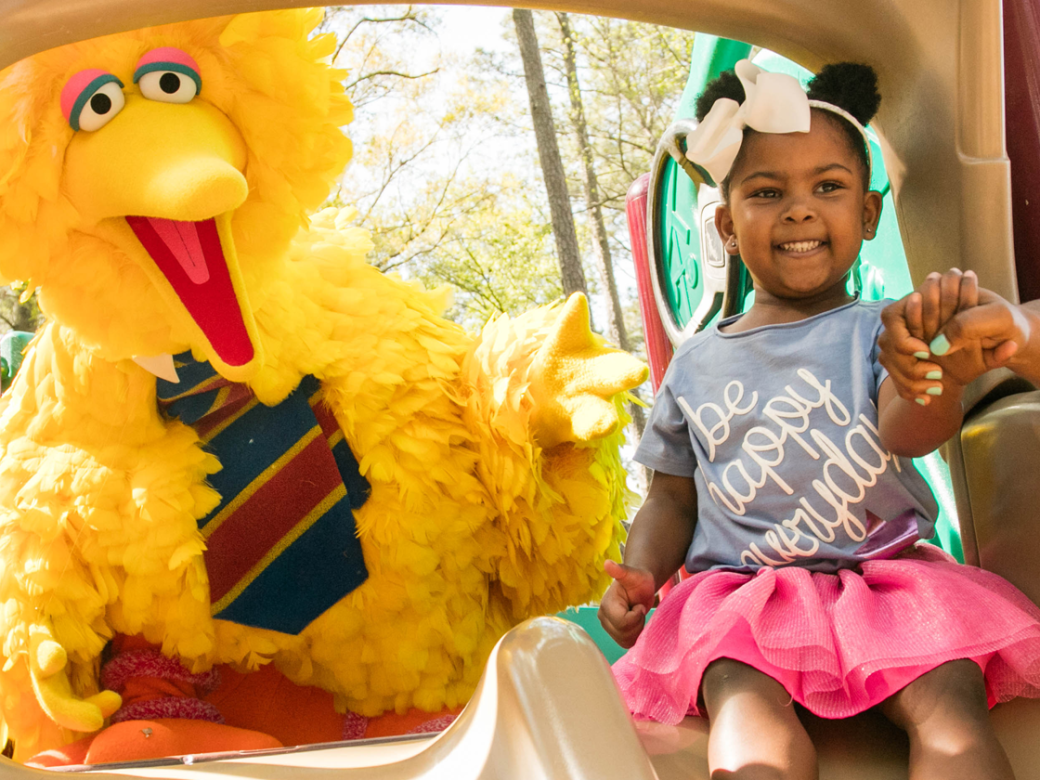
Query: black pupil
[[169, 83], [100, 104]]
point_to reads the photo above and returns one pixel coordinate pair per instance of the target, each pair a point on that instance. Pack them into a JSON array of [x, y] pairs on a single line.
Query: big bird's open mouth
[[191, 257]]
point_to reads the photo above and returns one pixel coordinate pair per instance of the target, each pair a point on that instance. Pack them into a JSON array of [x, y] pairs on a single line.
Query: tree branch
[[376, 73]]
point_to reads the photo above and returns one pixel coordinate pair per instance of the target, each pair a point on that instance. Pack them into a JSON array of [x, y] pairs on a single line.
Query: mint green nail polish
[[921, 401], [933, 375], [934, 391], [922, 355], [940, 345]]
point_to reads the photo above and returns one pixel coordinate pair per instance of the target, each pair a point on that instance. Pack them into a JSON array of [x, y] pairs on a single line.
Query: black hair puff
[[727, 85], [848, 85]]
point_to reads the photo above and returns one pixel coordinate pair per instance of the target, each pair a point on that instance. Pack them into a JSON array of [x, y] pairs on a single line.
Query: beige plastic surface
[[547, 709], [939, 63], [996, 471], [866, 747]]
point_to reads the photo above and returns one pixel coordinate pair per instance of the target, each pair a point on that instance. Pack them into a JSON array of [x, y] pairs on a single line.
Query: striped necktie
[[282, 544]]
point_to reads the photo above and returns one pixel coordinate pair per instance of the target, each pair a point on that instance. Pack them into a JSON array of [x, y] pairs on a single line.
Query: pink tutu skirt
[[839, 643]]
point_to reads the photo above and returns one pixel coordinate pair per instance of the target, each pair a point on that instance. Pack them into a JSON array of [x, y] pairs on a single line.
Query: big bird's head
[[148, 179]]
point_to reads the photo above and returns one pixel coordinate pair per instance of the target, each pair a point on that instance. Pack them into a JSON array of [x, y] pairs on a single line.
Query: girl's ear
[[724, 225], [872, 203]]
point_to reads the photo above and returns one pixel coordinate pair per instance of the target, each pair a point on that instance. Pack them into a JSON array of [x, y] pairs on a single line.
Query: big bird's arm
[[473, 523], [98, 505], [545, 395]]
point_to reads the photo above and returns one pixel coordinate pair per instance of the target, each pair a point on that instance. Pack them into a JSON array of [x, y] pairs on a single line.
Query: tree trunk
[[601, 243], [616, 323], [571, 273], [25, 317]]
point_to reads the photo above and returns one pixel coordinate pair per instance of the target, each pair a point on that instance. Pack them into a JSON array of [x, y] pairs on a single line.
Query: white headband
[[774, 103]]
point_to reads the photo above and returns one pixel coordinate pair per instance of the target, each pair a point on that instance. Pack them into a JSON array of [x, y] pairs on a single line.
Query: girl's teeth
[[800, 246]]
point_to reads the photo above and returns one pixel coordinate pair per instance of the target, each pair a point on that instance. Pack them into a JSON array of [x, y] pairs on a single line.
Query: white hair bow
[[774, 103]]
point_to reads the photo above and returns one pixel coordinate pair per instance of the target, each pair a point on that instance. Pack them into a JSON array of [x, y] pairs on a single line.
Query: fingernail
[[934, 391], [922, 355], [921, 401], [933, 375], [940, 345]]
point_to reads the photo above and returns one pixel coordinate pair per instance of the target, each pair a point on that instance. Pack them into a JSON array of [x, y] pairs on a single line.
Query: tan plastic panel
[[997, 466], [547, 709], [939, 62], [866, 747]]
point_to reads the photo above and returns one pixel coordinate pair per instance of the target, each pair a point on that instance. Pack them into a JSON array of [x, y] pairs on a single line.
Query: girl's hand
[[624, 607]]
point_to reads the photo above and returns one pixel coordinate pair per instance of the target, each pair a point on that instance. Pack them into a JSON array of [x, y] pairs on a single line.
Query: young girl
[[783, 481]]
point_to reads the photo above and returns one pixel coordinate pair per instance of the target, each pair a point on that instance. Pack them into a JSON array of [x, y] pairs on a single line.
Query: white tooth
[[160, 365]]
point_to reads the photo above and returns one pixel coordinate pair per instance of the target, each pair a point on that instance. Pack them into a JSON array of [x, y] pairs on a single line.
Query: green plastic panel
[[679, 216], [12, 345]]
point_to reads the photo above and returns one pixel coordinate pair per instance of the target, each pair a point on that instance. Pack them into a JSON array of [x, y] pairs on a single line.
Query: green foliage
[[498, 258], [446, 174]]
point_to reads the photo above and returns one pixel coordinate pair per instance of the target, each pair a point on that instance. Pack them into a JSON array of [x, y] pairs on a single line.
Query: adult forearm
[[1026, 362]]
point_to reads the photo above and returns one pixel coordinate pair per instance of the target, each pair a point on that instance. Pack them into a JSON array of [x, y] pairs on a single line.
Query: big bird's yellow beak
[[171, 176]]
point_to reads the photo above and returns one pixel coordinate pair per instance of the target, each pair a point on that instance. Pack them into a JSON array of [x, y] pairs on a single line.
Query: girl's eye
[[830, 186], [765, 194], [168, 75], [91, 98]]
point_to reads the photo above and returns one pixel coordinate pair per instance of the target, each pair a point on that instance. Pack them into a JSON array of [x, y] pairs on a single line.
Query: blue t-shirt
[[778, 428]]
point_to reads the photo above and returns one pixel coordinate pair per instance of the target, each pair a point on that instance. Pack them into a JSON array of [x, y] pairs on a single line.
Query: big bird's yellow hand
[[47, 662], [574, 378]]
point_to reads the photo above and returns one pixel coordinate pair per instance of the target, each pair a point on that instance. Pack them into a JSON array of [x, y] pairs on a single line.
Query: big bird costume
[[155, 187]]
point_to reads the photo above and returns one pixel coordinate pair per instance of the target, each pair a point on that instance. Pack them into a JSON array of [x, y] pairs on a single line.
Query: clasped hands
[[951, 331]]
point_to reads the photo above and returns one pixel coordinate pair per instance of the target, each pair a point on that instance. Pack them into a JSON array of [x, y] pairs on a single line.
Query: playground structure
[[546, 706]]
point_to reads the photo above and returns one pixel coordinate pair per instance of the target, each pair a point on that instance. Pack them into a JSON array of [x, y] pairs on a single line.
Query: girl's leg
[[755, 732], [945, 714]]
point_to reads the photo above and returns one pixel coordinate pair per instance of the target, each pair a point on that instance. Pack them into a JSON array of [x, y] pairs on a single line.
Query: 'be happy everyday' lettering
[[858, 461]]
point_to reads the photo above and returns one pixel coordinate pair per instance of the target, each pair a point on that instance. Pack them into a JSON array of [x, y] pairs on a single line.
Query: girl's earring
[[732, 243]]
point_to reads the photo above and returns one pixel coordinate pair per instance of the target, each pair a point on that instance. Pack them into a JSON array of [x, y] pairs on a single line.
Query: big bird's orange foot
[[139, 740], [574, 377]]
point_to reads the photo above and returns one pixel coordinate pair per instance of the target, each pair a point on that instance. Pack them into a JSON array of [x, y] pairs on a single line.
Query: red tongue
[[182, 239], [191, 258]]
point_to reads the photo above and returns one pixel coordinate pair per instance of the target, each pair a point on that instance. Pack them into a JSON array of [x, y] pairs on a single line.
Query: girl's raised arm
[[656, 548]]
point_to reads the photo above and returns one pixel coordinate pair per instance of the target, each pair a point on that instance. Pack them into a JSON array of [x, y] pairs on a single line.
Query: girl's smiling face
[[797, 214]]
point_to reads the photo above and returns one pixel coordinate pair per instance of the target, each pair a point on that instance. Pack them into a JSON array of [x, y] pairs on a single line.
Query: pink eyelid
[[168, 54], [75, 86]]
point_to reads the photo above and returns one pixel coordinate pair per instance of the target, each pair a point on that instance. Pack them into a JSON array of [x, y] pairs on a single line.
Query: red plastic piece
[[658, 348], [1022, 111]]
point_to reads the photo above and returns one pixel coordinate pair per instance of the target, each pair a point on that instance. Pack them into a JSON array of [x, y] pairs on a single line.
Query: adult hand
[[915, 346], [996, 328]]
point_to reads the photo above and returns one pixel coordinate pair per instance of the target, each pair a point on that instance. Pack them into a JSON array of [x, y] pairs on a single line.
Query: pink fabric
[[839, 643], [152, 663], [354, 726], [434, 726], [154, 709]]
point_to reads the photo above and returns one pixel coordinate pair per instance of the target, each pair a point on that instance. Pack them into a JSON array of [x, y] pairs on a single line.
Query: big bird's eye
[[168, 75], [91, 98]]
